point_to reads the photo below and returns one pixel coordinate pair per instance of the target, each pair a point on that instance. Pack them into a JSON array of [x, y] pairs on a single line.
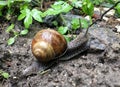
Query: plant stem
[[63, 20]]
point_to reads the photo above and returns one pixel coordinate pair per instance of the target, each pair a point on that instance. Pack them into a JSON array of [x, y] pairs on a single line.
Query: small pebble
[[118, 28], [110, 13], [105, 18], [118, 19]]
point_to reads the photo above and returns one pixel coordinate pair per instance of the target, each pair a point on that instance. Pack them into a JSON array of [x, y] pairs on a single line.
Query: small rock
[[116, 47], [97, 9], [118, 19], [105, 18], [118, 28], [110, 13], [87, 18]]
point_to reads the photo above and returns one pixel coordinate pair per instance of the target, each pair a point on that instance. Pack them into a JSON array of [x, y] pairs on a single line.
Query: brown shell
[[47, 44]]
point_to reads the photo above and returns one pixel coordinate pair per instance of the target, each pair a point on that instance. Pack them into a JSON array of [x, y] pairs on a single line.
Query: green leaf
[[28, 21], [91, 9], [63, 30], [50, 11], [97, 2], [0, 13], [8, 3], [61, 6], [5, 75], [23, 12], [27, 14], [66, 8], [28, 18], [55, 23], [59, 2], [37, 15], [27, 0], [88, 7], [76, 3], [3, 3], [118, 8], [21, 16], [11, 40], [68, 39], [15, 33], [24, 32], [84, 23], [75, 23], [111, 1], [24, 6], [58, 7], [11, 27]]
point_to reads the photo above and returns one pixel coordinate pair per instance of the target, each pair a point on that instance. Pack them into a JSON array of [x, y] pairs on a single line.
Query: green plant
[[63, 7], [2, 5], [10, 29], [58, 8], [7, 4], [62, 29], [118, 10], [27, 12], [77, 23], [76, 3], [10, 6], [97, 2], [4, 74], [28, 15], [88, 8]]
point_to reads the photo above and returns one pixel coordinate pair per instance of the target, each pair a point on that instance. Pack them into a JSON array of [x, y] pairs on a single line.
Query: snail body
[[47, 44]]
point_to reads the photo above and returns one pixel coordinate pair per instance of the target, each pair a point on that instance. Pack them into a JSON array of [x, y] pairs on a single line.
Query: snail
[[48, 45]]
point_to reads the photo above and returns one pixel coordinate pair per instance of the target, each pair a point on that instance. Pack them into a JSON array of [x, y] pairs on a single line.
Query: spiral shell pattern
[[48, 44]]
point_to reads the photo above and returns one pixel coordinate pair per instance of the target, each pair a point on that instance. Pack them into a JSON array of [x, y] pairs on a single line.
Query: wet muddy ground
[[93, 68]]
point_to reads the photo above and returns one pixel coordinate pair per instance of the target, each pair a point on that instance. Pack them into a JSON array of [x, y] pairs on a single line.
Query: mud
[[90, 69]]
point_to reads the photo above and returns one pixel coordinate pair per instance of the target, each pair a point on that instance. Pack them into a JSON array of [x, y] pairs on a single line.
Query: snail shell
[[47, 44]]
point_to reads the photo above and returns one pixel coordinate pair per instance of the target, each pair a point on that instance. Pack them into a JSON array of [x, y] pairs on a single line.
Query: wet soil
[[90, 69]]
